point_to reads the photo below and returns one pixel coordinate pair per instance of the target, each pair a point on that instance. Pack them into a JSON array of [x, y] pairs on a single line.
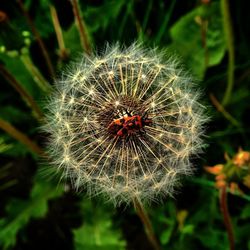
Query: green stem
[[147, 223], [122, 23], [163, 28], [227, 25], [35, 73], [142, 29]]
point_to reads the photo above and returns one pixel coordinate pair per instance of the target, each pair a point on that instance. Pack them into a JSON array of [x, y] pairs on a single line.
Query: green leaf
[[96, 232], [245, 213], [4, 146], [16, 150], [166, 217], [72, 40], [188, 229], [16, 67], [198, 38], [13, 115], [4, 173], [43, 22], [212, 238], [21, 211], [94, 15], [166, 235]]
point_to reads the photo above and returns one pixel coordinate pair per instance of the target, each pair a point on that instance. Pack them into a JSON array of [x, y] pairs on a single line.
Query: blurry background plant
[[229, 177], [38, 38]]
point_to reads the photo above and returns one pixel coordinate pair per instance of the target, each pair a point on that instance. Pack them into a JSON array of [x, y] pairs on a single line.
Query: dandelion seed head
[[124, 124]]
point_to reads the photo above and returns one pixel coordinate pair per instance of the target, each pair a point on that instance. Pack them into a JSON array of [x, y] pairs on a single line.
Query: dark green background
[[39, 212]]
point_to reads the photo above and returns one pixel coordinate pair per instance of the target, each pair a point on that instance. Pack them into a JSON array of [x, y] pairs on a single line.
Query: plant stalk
[[221, 109], [35, 73], [23, 93], [18, 135], [227, 25], [226, 216], [38, 38], [147, 223], [81, 27], [62, 50]]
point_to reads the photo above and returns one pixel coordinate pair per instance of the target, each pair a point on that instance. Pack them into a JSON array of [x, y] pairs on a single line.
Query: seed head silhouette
[[125, 124]]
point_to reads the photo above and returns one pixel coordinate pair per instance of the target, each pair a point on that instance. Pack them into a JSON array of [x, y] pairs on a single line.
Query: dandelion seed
[[125, 124]]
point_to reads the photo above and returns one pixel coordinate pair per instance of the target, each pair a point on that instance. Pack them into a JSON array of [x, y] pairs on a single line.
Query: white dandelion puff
[[125, 124]]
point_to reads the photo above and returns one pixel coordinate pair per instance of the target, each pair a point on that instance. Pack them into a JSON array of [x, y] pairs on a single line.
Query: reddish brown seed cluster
[[128, 125]]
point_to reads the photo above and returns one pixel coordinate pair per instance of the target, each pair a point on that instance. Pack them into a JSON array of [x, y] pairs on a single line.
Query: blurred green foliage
[[97, 232], [203, 30], [37, 212], [19, 212]]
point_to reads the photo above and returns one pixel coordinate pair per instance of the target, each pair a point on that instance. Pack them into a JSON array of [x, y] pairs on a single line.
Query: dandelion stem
[[230, 45], [226, 216], [63, 52], [81, 27], [18, 135], [147, 223], [23, 93], [38, 38]]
